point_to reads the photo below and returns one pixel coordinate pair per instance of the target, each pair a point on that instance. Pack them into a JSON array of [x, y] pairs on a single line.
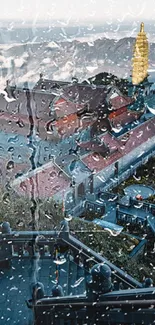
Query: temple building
[[140, 58], [58, 118], [70, 142], [140, 86]]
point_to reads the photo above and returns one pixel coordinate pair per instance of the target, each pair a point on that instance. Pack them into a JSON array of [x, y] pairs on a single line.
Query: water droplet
[[6, 198], [65, 119], [117, 129], [10, 165], [60, 174], [47, 216], [96, 156], [13, 288], [10, 149], [152, 110], [13, 139], [68, 218], [52, 174], [60, 262], [137, 178], [113, 232], [103, 129], [77, 283], [56, 188]]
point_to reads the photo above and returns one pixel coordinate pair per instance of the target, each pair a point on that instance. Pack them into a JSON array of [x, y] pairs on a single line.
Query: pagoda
[[140, 86], [140, 58]]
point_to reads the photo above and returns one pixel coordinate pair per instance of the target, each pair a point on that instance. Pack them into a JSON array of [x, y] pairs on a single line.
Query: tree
[[21, 211]]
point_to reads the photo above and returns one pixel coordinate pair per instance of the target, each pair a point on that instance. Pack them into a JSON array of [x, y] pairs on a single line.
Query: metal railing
[[87, 253], [27, 244], [80, 311]]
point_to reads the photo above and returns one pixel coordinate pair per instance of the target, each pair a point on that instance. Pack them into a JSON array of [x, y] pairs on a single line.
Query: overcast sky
[[78, 10]]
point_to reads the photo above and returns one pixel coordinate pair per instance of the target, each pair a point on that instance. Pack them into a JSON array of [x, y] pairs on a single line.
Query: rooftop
[[125, 118], [86, 94], [111, 141], [94, 146], [49, 85], [141, 134], [120, 101], [72, 123], [66, 107], [73, 166], [43, 182], [96, 162], [121, 146]]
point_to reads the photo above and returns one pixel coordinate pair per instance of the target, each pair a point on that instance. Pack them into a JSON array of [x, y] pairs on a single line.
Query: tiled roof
[[136, 137], [65, 107], [72, 98], [96, 162], [101, 125], [120, 101], [71, 123], [43, 182], [42, 103], [67, 125], [60, 101], [7, 174], [28, 104], [78, 93], [125, 118], [65, 163], [49, 85], [86, 94], [110, 141], [139, 135], [94, 146]]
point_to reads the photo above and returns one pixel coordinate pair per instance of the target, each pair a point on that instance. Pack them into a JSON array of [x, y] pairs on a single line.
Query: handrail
[[73, 243], [98, 258], [25, 235], [94, 304]]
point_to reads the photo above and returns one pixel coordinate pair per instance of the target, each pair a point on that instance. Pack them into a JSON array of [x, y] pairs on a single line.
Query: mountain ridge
[[64, 60]]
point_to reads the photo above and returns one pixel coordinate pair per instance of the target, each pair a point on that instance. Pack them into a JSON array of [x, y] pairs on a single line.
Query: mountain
[[67, 59]]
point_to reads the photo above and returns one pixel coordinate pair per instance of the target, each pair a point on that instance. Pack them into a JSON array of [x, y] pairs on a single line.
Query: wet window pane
[[77, 162]]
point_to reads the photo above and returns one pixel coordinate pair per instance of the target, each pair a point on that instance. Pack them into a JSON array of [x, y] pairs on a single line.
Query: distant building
[[140, 58], [124, 152], [140, 85], [96, 164], [94, 123]]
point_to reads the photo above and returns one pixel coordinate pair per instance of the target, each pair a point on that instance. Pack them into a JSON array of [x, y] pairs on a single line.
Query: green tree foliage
[[114, 248], [105, 78], [18, 212]]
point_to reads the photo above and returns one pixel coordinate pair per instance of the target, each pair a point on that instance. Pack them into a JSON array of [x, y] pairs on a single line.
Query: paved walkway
[[135, 189], [136, 210], [110, 215], [16, 286]]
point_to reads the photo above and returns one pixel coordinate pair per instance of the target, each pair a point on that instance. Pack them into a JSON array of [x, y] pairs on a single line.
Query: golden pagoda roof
[[142, 28], [140, 57]]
